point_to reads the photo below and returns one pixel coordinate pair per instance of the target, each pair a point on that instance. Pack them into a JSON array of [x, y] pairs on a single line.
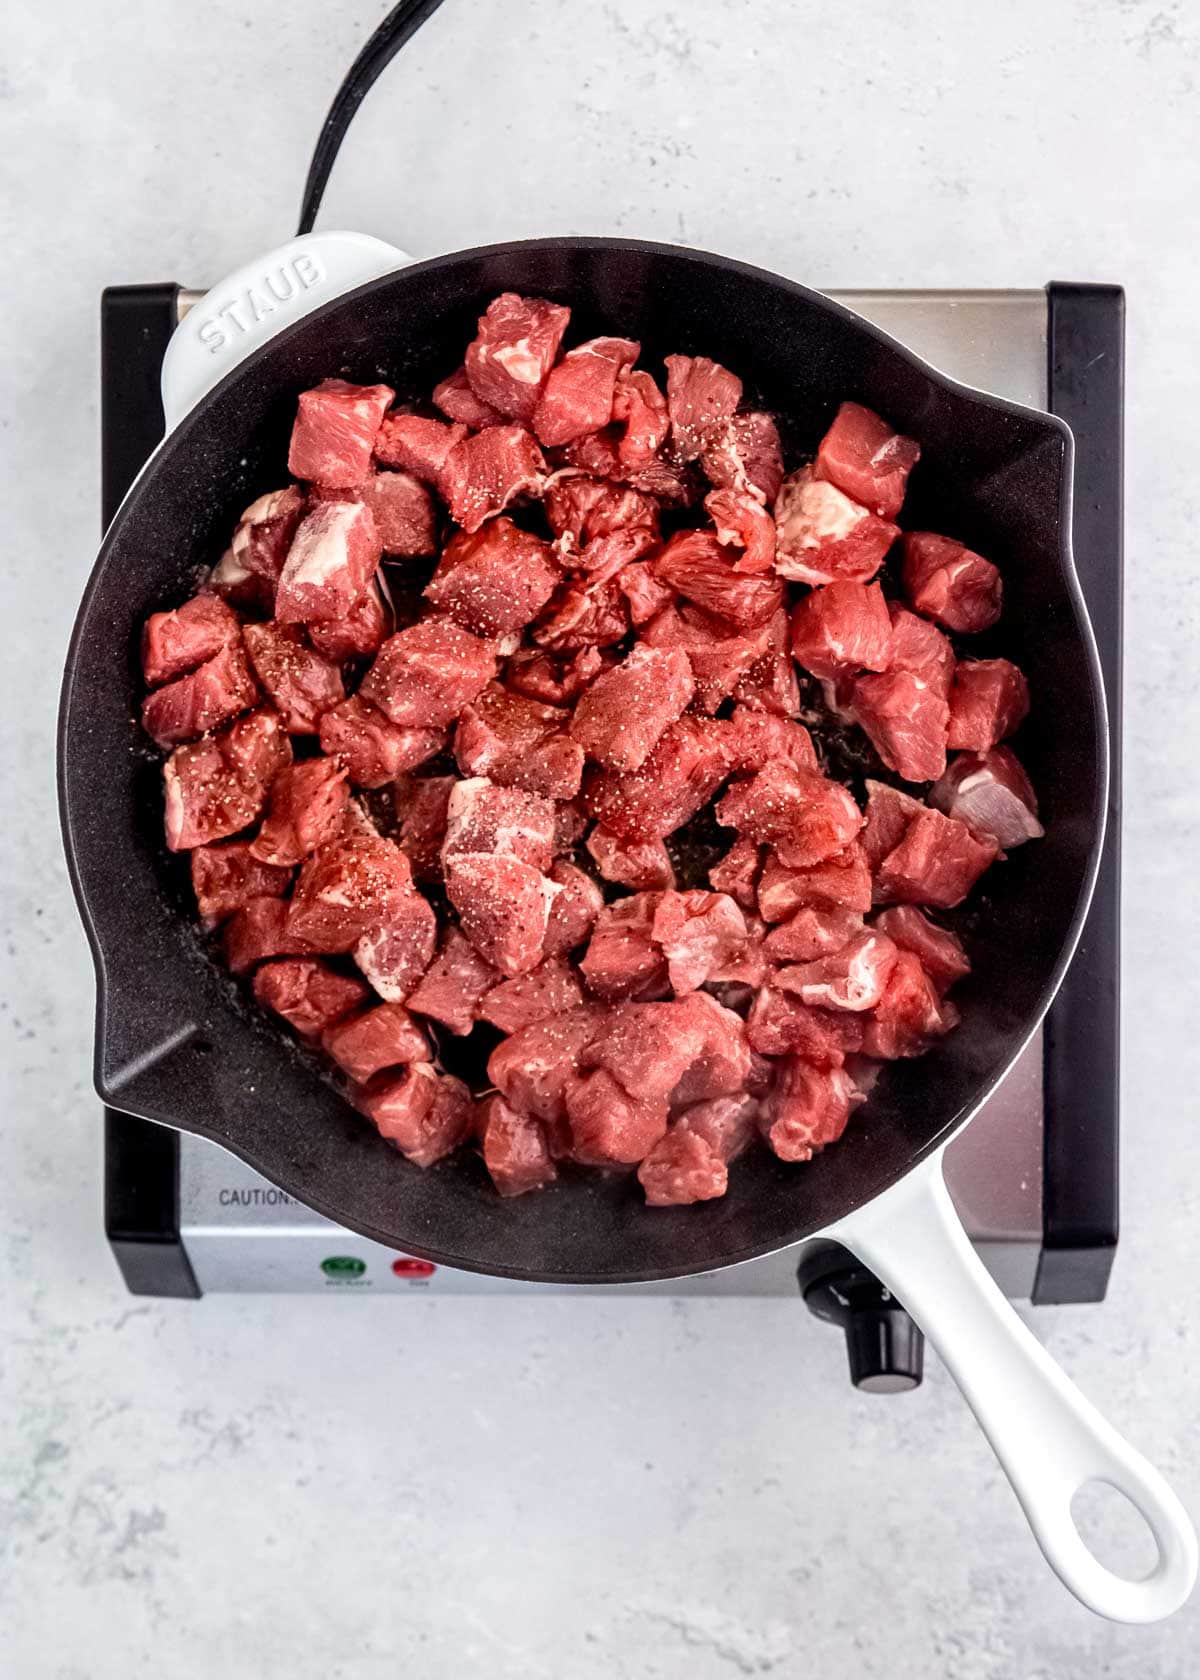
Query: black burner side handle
[[1080, 1197], [141, 1160]]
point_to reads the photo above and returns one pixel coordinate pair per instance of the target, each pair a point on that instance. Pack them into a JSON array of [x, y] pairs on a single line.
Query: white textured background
[[583, 1488]]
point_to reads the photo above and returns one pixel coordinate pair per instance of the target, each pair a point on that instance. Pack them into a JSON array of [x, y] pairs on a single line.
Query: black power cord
[[399, 26]]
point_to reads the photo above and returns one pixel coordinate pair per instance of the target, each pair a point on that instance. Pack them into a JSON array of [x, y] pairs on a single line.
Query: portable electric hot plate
[[1034, 1176]]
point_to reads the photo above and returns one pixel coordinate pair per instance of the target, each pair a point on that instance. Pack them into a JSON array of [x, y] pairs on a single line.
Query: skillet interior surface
[[176, 1040]]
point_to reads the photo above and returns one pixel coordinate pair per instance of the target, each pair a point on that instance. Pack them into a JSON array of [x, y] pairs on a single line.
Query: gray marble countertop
[[606, 1490]]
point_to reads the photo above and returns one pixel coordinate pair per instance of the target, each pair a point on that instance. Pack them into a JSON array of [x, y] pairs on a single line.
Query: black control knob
[[885, 1348]]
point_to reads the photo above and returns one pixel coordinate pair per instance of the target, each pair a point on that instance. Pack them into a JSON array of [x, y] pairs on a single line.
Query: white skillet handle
[[258, 301], [1048, 1438]]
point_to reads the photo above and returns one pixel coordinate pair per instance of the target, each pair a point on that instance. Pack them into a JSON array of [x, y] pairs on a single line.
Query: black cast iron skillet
[[178, 1042]]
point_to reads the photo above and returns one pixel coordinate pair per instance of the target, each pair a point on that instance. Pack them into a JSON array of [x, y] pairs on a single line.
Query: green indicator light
[[343, 1266]]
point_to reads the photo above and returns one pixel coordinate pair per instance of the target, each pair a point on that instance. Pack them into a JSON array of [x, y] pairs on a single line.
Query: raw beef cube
[[515, 1151], [483, 818], [416, 445], [176, 642], [812, 933], [940, 951], [699, 934], [695, 564], [346, 888], [745, 455], [357, 636], [574, 910], [842, 882], [701, 399], [760, 737], [842, 627], [305, 811], [383, 1037], [259, 929], [218, 785], [936, 863], [204, 699], [495, 581], [257, 748], [395, 952], [514, 350], [333, 557], [335, 431], [807, 1109], [426, 674], [852, 978], [554, 682], [889, 812], [533, 1068], [404, 513], [680, 776], [374, 750], [486, 471], [770, 684], [948, 582], [721, 1066], [646, 1047], [264, 533], [910, 1014], [454, 984], [644, 865], [308, 994], [640, 409], [905, 721], [621, 718], [744, 968], [609, 1126], [426, 1114], [822, 535], [866, 459], [549, 989], [232, 582], [225, 877], [580, 509], [804, 815], [920, 647], [989, 699], [420, 804], [720, 658], [457, 401], [645, 596], [578, 394], [519, 743], [621, 959], [782, 1025], [299, 683], [737, 872], [741, 521], [502, 904], [570, 826], [605, 559], [727, 1124], [690, 1163], [682, 1168], [583, 613], [991, 793]]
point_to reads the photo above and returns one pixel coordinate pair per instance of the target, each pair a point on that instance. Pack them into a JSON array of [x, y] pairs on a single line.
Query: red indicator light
[[406, 1266]]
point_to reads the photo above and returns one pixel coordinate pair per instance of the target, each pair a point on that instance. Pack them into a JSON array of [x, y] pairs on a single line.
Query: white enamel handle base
[[258, 301], [1050, 1441]]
